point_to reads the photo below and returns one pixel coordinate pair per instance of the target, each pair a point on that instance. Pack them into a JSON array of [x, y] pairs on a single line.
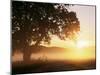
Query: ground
[[51, 66]]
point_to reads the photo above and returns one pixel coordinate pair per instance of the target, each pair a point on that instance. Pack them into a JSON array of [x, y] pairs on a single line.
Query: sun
[[81, 43]]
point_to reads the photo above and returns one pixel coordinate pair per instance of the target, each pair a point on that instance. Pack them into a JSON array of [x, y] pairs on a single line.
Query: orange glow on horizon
[[83, 48]]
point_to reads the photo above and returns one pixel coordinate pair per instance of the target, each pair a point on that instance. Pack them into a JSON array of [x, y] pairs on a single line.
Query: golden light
[[81, 43]]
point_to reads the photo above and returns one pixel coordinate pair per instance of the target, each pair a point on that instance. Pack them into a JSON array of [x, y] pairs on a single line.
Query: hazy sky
[[86, 16]]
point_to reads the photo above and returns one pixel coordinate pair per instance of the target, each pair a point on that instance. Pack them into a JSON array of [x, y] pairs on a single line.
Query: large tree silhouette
[[35, 22]]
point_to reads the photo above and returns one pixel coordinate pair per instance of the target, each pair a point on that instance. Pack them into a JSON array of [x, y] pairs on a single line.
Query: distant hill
[[37, 49], [46, 49]]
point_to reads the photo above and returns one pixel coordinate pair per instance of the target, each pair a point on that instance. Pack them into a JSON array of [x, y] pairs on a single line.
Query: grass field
[[51, 66]]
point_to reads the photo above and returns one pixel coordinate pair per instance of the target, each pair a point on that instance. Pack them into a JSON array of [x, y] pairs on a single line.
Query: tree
[[35, 22]]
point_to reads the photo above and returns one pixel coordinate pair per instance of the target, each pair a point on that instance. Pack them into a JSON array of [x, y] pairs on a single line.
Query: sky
[[86, 16]]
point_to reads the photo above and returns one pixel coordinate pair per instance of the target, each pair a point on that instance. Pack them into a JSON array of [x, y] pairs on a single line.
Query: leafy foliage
[[37, 21]]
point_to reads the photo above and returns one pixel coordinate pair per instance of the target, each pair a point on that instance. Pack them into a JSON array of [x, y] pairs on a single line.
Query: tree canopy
[[35, 22]]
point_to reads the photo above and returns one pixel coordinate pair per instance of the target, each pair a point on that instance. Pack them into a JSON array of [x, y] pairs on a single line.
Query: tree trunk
[[26, 56]]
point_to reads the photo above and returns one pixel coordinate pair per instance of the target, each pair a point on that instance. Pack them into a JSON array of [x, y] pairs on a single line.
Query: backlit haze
[[81, 49]]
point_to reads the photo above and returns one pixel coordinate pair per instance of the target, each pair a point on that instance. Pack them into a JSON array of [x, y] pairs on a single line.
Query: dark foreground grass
[[51, 66]]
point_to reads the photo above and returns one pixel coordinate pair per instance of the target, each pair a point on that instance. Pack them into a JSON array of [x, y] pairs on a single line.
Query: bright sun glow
[[81, 43]]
